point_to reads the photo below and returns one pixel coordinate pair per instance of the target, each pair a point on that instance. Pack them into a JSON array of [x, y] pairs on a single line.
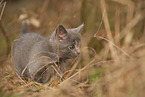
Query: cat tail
[[24, 27]]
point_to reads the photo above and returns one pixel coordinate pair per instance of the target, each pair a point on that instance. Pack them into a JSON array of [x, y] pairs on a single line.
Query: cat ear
[[79, 29], [61, 32]]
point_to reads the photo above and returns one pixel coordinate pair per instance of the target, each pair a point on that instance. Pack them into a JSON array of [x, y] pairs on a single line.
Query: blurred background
[[113, 46]]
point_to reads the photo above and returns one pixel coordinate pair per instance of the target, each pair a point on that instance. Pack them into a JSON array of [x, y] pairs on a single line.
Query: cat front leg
[[43, 67]]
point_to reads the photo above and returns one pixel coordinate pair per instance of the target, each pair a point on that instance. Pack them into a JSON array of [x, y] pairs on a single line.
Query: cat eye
[[71, 47]]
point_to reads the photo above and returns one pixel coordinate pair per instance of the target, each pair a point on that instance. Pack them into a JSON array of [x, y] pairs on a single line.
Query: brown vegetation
[[113, 47]]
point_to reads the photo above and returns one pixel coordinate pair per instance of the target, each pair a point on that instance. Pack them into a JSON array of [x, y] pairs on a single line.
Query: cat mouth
[[75, 55], [70, 56]]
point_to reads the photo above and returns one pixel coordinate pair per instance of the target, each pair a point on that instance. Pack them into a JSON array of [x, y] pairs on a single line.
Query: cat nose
[[78, 52]]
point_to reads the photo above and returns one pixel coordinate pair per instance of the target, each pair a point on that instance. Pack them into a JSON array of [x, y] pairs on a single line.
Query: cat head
[[68, 41]]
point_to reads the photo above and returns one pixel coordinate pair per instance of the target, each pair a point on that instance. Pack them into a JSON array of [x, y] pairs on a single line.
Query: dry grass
[[115, 69]]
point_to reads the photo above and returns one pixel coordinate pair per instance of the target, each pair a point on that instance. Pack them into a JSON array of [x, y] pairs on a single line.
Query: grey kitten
[[38, 57]]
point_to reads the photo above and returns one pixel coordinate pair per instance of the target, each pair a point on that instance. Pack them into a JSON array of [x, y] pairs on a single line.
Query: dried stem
[[6, 38], [73, 67], [84, 67], [4, 4], [108, 30], [3, 31], [21, 79]]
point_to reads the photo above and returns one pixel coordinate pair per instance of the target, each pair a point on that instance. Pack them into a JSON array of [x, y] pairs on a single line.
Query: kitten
[[36, 56]]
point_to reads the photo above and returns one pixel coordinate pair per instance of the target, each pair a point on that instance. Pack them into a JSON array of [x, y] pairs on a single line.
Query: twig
[[57, 71], [73, 67], [6, 38], [1, 2], [84, 67], [42, 74], [140, 16], [39, 70], [44, 66], [81, 69], [24, 69], [40, 67], [2, 29], [12, 57], [113, 45], [21, 79], [2, 9], [108, 29], [108, 39], [58, 43], [100, 24]]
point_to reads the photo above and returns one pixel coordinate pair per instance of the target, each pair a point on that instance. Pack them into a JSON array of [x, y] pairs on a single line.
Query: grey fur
[[40, 52]]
